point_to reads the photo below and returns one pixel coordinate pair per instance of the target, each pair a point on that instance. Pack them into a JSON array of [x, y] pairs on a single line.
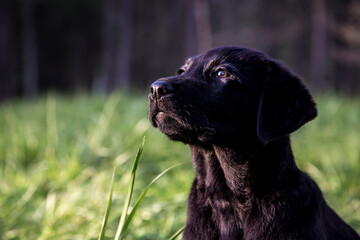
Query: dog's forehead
[[204, 61], [216, 56]]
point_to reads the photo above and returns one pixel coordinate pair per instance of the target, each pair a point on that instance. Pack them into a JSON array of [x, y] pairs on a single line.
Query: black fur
[[247, 185]]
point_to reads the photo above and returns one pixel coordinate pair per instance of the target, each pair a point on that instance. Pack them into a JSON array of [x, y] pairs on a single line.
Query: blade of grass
[[107, 211], [137, 204], [173, 237], [130, 191]]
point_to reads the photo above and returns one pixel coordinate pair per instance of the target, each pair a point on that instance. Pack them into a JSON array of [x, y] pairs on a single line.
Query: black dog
[[236, 107]]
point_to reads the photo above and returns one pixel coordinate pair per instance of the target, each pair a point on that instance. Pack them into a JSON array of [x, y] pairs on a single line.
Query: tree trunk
[[124, 49], [203, 25], [190, 39], [103, 82], [318, 44], [8, 52], [29, 49]]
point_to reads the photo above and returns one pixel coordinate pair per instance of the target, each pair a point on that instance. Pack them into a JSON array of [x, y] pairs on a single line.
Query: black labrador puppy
[[235, 108]]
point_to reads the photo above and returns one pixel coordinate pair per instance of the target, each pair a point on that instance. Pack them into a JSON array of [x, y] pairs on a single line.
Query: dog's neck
[[247, 173]]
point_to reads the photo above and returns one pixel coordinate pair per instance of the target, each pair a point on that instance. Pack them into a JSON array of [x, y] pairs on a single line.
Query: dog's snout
[[160, 88]]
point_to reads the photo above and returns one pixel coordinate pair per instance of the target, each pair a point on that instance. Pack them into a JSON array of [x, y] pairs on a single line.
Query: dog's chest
[[226, 216]]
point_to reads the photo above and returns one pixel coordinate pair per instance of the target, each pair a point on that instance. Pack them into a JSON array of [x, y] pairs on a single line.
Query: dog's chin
[[161, 120], [179, 130], [169, 125]]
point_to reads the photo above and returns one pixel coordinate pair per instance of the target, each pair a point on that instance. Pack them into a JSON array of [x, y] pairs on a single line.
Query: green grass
[[57, 156], [128, 213]]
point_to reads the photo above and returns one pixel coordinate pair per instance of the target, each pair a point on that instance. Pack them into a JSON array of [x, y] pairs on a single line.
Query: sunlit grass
[[127, 214], [57, 156], [328, 149]]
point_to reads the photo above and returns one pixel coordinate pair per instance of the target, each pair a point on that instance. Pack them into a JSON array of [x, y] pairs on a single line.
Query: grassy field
[[57, 155]]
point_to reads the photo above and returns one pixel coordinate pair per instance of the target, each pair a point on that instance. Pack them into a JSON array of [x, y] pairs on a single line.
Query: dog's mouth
[[179, 124], [163, 120], [156, 118], [177, 128]]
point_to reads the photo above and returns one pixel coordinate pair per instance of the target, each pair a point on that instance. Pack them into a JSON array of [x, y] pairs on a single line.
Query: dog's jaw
[[154, 119], [178, 124]]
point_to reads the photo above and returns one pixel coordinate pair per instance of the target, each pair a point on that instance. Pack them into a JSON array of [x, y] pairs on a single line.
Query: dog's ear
[[285, 104]]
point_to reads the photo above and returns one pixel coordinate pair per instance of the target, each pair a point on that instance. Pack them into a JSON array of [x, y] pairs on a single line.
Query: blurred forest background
[[57, 151], [106, 45]]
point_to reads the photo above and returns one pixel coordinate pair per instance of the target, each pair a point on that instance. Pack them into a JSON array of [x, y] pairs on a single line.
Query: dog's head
[[230, 94]]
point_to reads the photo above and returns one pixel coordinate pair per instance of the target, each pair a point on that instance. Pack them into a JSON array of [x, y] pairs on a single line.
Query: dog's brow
[[212, 63], [209, 64], [188, 62]]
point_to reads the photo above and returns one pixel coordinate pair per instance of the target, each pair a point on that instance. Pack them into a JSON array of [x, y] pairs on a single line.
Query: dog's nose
[[160, 88]]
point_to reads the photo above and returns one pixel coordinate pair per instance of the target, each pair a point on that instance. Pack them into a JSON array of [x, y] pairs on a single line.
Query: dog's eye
[[180, 71], [221, 74]]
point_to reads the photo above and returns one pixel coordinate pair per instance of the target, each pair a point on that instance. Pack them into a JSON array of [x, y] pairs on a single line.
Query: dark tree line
[[104, 45]]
